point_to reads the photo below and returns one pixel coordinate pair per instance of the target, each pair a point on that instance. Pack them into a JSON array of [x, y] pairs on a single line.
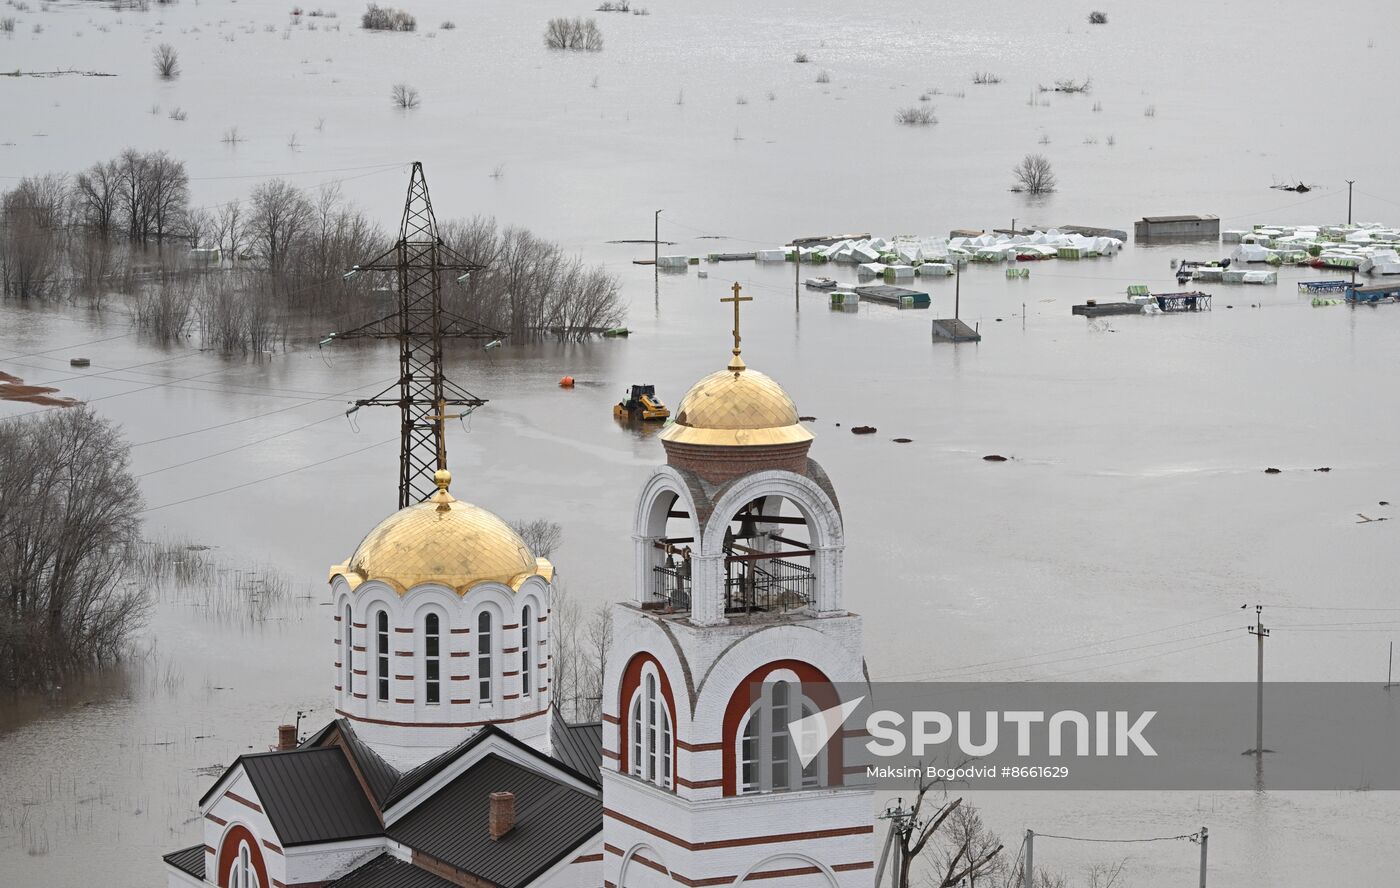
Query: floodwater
[[1132, 521]]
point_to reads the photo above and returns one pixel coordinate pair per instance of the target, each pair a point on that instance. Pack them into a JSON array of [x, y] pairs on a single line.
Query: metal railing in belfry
[[776, 587], [673, 587]]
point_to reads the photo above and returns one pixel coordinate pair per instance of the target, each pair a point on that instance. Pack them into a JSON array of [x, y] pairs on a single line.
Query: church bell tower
[[734, 629]]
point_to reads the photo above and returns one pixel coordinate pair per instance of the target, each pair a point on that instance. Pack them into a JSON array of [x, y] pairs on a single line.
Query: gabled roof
[[379, 774], [388, 872], [189, 860], [579, 747], [309, 793], [551, 821]]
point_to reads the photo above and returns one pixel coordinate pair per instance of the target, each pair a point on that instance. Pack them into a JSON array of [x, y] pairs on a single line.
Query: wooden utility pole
[[656, 238], [796, 275], [1205, 842], [1350, 182], [1028, 874], [1258, 631], [1390, 667], [957, 290]]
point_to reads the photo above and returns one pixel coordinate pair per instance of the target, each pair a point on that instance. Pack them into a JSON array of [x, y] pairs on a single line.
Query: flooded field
[[1131, 521]]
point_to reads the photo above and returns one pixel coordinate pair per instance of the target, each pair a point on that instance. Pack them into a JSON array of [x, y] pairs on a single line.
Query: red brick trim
[[210, 849], [461, 701], [473, 724], [510, 696], [404, 677], [698, 784], [360, 696], [778, 838], [217, 821], [398, 700], [359, 625], [510, 626], [609, 754], [242, 801], [403, 628], [459, 631], [275, 849], [587, 858], [359, 672], [459, 677], [403, 653], [611, 719], [699, 747], [460, 654]]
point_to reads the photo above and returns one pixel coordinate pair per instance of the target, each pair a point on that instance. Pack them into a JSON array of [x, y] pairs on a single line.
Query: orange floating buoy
[[566, 382]]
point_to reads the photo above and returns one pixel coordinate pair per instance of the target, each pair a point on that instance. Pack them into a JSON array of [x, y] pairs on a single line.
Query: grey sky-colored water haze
[[1119, 541]]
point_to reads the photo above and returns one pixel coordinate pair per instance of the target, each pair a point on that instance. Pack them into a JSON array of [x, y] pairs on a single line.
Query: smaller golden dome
[[442, 540], [736, 407]]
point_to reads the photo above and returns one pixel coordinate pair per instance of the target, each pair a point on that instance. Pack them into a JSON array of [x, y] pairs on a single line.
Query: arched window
[[483, 656], [243, 874], [768, 759], [381, 655], [651, 733], [347, 652], [525, 654], [432, 659]]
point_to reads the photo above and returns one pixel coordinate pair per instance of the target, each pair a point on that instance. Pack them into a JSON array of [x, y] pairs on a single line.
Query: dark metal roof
[[311, 795], [579, 747], [551, 821], [379, 774], [388, 872], [190, 860]]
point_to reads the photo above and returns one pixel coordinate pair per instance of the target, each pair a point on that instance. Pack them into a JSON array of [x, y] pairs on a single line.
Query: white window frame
[[432, 658], [767, 757], [527, 614], [652, 739], [485, 657], [383, 670]]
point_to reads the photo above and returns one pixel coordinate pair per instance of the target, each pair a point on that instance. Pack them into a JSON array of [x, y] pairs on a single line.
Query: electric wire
[[1191, 836], [273, 477]]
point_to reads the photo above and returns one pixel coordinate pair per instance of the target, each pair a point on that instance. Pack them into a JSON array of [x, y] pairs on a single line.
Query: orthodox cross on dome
[[736, 365]]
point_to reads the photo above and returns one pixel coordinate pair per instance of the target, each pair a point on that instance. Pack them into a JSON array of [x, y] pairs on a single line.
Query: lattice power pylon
[[420, 260]]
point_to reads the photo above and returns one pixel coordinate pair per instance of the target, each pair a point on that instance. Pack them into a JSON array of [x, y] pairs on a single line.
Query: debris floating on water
[[903, 440], [1272, 471], [994, 457], [863, 430]]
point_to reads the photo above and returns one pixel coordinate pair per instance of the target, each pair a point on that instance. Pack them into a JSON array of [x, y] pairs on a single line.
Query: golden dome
[[736, 407], [442, 540]]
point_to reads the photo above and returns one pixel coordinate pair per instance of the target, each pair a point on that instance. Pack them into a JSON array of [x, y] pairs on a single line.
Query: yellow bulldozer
[[641, 403]]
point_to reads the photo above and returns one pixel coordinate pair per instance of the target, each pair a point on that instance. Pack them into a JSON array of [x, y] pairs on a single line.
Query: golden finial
[[736, 364], [443, 479]]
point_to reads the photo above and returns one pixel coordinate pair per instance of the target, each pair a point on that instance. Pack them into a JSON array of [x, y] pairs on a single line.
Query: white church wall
[[319, 863], [235, 805]]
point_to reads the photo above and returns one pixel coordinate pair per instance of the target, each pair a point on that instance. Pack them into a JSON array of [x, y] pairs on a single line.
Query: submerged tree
[[167, 61], [1034, 175], [69, 522]]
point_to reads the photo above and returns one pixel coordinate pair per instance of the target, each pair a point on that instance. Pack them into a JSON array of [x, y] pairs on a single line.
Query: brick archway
[[814, 682], [237, 836]]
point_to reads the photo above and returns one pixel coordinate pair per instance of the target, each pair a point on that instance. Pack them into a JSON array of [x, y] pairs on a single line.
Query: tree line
[[240, 274]]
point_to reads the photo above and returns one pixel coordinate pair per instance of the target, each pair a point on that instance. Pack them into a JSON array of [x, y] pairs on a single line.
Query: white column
[[828, 567], [645, 580], [707, 590]]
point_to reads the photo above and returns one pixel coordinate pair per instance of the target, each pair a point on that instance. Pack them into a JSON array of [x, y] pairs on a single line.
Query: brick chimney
[[286, 737], [502, 818]]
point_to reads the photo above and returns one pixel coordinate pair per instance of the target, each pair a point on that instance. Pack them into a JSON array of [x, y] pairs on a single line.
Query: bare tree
[[32, 221], [965, 842], [279, 215], [229, 228], [573, 33], [580, 649], [167, 61], [404, 96], [69, 521], [540, 535], [921, 826], [95, 196], [1034, 175], [169, 193]]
